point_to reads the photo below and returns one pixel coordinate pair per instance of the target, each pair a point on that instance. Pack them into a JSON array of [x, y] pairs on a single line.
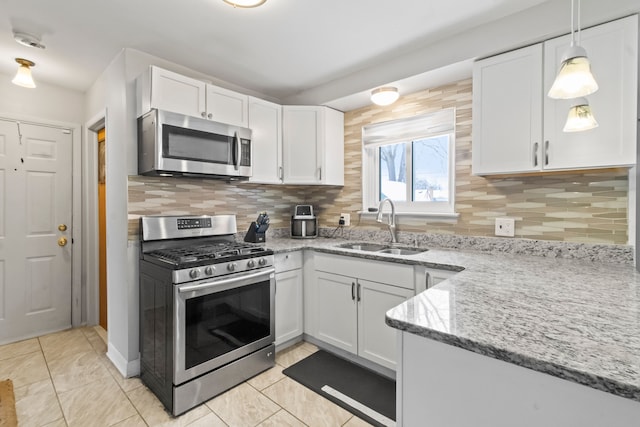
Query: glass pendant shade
[[384, 95], [245, 3], [574, 78], [580, 117], [23, 76]]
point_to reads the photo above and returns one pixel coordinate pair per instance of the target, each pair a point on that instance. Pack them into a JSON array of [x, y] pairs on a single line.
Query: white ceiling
[[282, 50]]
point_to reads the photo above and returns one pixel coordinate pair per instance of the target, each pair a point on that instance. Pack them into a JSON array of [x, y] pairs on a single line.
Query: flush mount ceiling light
[[245, 3], [23, 76], [574, 78], [384, 95], [580, 117]]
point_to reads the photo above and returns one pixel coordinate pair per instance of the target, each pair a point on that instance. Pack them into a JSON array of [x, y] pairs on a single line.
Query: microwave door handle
[[236, 151]]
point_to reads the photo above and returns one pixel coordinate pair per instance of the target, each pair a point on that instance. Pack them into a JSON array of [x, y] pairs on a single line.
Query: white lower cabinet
[[349, 310], [289, 324]]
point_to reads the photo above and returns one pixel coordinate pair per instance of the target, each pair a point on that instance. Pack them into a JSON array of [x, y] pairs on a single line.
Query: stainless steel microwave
[[175, 144]]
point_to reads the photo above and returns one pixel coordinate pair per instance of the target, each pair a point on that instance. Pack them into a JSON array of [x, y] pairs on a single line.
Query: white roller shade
[[410, 129]]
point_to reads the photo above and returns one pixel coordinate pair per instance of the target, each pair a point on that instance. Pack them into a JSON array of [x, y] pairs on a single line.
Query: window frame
[[371, 165]]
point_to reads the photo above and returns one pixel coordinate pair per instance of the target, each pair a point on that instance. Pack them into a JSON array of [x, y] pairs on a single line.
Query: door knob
[[62, 241], [62, 227]]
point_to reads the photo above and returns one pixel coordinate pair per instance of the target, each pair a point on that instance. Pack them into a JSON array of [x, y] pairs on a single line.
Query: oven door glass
[[220, 321]]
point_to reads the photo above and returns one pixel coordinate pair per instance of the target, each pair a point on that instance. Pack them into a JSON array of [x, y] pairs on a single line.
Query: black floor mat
[[360, 384]]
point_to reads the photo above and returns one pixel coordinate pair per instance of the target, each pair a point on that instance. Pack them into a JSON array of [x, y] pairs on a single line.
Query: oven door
[[218, 321]]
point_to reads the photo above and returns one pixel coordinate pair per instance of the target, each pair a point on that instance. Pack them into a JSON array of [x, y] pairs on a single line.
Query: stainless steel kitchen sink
[[402, 251], [368, 247], [383, 249]]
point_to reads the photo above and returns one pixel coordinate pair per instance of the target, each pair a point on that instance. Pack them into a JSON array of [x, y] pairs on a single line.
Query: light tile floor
[[65, 379]]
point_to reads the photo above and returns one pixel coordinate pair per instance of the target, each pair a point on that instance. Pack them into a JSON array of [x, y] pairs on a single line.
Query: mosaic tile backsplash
[[588, 207]]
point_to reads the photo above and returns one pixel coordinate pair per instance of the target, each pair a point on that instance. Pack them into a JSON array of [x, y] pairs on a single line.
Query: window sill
[[433, 215]]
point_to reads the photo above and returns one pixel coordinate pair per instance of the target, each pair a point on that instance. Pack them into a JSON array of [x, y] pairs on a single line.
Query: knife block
[[253, 236]]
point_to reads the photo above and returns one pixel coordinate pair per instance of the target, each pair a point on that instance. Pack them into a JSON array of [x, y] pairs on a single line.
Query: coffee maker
[[304, 224]]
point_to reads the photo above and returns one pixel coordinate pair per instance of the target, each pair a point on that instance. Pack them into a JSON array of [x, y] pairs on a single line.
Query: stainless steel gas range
[[206, 308]]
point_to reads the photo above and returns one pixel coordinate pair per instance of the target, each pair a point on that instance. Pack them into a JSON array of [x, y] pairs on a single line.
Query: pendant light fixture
[[384, 95], [574, 78], [580, 117], [245, 3], [23, 76]]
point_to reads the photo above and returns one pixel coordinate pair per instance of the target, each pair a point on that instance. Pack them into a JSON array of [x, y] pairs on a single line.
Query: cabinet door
[[613, 51], [337, 311], [265, 121], [227, 106], [177, 93], [331, 149], [376, 340], [288, 305], [301, 135], [507, 112]]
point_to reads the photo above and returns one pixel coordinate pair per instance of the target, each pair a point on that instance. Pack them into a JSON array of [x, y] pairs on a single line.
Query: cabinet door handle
[[209, 116], [353, 291], [320, 174], [359, 286], [535, 154], [546, 153], [280, 173], [204, 115], [429, 281]]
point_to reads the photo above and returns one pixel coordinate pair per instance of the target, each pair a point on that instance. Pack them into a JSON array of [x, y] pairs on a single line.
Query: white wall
[[45, 102]]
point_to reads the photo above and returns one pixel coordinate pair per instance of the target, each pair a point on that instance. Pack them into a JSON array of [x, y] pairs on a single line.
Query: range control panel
[[186, 223]]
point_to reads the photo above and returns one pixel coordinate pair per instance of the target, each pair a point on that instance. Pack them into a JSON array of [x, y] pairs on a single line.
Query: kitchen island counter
[[573, 319]]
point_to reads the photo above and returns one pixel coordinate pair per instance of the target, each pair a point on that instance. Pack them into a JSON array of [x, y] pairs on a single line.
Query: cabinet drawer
[[374, 270], [288, 261]]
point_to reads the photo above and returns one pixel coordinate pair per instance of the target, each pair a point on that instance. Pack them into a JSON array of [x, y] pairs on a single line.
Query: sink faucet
[[391, 221]]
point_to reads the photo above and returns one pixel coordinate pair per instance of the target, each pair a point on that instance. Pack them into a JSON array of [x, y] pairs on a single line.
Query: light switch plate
[[505, 227]]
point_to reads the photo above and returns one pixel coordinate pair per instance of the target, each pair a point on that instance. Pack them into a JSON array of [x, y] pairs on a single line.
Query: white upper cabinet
[[517, 128], [613, 51], [507, 112], [166, 90], [265, 121], [227, 106], [313, 145]]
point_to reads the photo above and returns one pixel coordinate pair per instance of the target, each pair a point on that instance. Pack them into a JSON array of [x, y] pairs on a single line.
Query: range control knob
[[251, 263], [209, 270], [262, 261], [231, 266], [194, 273]]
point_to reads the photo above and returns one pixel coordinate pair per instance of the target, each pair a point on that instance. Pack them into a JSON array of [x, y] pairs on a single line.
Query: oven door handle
[[223, 282]]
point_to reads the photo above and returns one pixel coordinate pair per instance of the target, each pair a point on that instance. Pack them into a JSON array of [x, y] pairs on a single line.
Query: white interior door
[[35, 212]]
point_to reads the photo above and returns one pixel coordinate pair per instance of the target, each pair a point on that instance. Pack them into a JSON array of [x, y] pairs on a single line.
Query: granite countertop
[[574, 319]]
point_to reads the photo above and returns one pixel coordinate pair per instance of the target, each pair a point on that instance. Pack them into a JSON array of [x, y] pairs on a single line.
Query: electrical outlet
[[505, 227], [346, 218]]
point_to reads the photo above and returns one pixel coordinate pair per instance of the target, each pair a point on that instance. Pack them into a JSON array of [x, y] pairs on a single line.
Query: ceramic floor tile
[[242, 406], [77, 370], [65, 343], [357, 422], [135, 421], [102, 333], [210, 420], [57, 423], [282, 419], [126, 384], [37, 404], [19, 348], [267, 378], [292, 355], [95, 340], [154, 414], [98, 403], [309, 407], [24, 370], [312, 348]]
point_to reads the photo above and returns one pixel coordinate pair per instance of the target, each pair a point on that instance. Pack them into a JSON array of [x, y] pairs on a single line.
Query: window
[[411, 161]]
